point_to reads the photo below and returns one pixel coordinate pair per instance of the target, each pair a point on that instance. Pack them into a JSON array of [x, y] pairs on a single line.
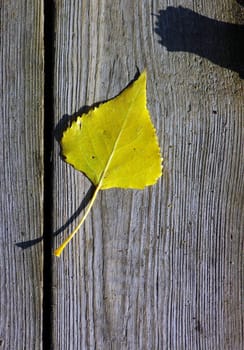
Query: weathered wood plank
[[160, 268], [21, 174]]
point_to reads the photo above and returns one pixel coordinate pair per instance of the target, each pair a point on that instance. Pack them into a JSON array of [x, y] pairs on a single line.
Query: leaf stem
[[59, 250]]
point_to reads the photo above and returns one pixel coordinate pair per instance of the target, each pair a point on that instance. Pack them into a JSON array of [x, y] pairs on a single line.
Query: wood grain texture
[[160, 268], [21, 174]]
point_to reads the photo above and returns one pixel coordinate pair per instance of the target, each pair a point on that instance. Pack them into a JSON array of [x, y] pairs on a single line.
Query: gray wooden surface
[[21, 173], [160, 268], [155, 269]]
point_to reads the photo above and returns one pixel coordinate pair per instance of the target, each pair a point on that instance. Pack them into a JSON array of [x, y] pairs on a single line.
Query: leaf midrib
[[117, 141]]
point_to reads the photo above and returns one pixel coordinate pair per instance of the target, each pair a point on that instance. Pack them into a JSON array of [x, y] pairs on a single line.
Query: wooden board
[[160, 268], [21, 174]]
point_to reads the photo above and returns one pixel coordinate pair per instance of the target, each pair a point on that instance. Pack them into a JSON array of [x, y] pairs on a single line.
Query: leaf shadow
[[183, 30], [82, 206], [67, 120], [240, 2]]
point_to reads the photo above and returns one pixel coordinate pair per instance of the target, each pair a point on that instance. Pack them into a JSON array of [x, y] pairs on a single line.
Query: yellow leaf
[[115, 144]]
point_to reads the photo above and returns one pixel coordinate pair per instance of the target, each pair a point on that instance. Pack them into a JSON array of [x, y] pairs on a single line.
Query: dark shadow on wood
[[66, 120], [30, 243], [181, 29], [82, 206], [84, 203], [240, 2]]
